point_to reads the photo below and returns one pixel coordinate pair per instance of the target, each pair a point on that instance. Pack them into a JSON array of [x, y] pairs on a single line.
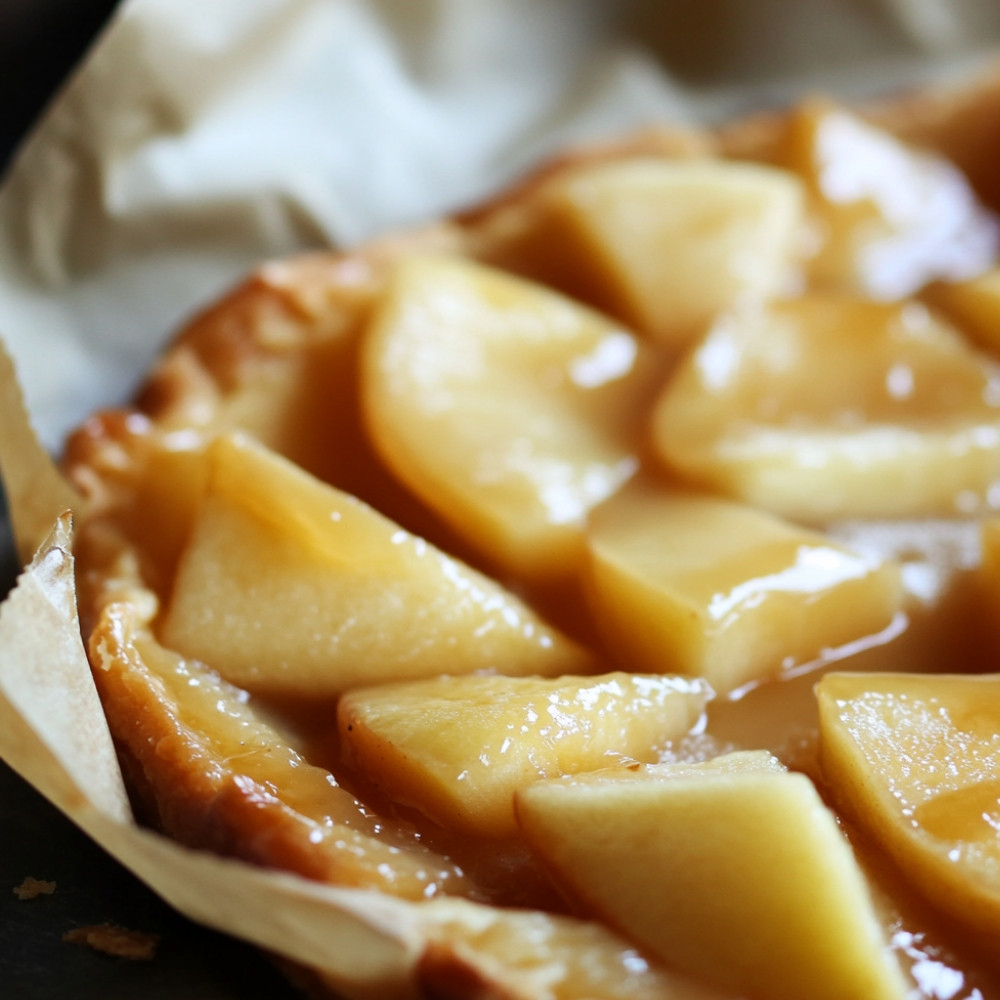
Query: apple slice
[[989, 573], [828, 408], [974, 305], [695, 584], [890, 218], [667, 245], [507, 408], [458, 748], [732, 871], [914, 760], [290, 586]]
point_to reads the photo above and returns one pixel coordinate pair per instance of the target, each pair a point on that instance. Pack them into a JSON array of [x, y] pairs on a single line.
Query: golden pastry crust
[[277, 357]]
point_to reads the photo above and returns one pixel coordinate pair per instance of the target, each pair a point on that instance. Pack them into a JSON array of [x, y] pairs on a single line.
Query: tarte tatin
[[610, 571]]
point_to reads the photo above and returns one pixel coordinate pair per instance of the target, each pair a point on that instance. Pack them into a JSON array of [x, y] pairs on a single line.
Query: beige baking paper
[[199, 138]]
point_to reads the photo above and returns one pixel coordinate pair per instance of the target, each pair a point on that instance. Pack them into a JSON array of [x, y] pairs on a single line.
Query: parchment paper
[[201, 137]]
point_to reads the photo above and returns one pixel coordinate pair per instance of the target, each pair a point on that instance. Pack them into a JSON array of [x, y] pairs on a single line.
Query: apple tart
[[490, 567]]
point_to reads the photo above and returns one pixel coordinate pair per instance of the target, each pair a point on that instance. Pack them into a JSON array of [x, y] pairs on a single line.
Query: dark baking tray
[[36, 963]]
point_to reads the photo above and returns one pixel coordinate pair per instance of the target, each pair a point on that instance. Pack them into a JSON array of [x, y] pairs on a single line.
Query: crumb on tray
[[32, 887], [113, 940]]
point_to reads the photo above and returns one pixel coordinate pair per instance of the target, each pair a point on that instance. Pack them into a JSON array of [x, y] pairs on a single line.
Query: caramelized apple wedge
[[824, 408], [668, 245], [889, 218], [732, 871], [696, 584], [458, 748], [974, 306], [989, 572], [507, 408], [914, 761], [292, 587]]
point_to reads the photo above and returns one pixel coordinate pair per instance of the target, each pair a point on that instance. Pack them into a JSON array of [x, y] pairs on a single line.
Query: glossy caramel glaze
[[266, 779]]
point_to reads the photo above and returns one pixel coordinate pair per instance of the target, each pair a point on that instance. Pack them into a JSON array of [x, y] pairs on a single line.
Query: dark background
[[40, 43]]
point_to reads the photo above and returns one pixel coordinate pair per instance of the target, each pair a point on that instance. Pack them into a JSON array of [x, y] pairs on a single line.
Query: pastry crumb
[[114, 940], [32, 887]]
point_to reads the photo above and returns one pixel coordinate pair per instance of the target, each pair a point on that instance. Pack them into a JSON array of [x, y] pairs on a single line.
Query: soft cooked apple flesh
[[732, 871], [989, 572], [914, 760], [889, 218], [458, 748], [690, 583], [669, 244], [974, 305], [292, 587], [509, 409], [825, 408]]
